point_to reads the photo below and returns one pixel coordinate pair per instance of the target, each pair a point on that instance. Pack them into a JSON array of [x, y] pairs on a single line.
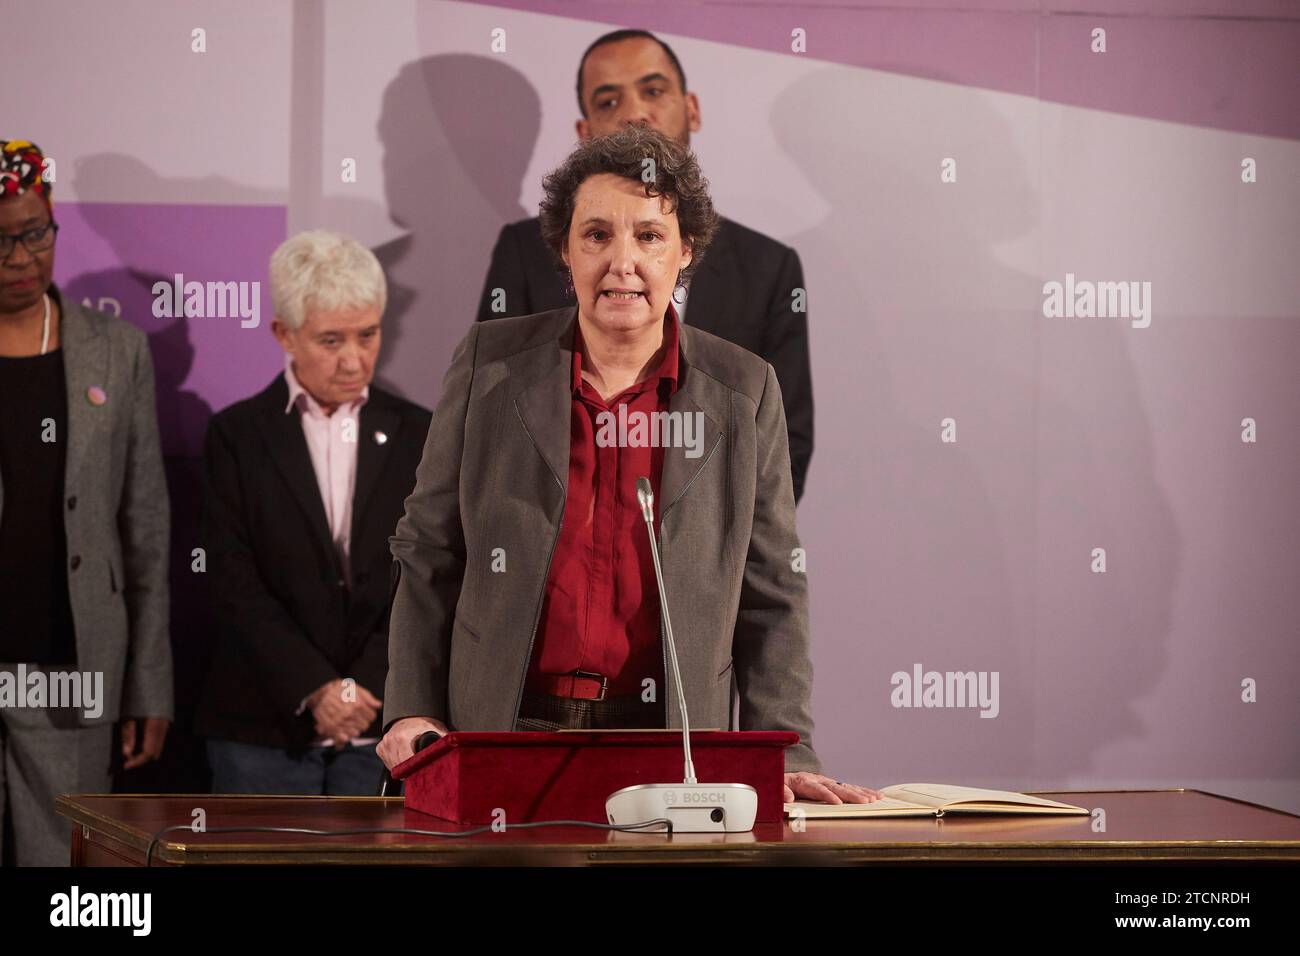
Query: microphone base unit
[[692, 807]]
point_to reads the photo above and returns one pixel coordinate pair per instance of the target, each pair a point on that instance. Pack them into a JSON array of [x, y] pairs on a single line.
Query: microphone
[[645, 496], [690, 806], [387, 785], [426, 738]]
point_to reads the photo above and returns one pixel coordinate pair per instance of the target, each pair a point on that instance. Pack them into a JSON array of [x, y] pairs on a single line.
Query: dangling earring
[[679, 293], [568, 284]]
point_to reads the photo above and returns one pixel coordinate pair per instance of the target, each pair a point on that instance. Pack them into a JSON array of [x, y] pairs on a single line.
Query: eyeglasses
[[37, 239]]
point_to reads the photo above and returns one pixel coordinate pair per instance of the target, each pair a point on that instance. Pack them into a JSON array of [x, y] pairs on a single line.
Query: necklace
[[45, 332]]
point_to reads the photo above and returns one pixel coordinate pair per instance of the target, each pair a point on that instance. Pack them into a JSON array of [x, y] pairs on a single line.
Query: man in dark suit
[[749, 290], [306, 482]]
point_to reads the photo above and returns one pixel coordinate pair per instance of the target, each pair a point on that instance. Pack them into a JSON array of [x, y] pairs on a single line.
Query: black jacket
[[742, 292], [284, 619]]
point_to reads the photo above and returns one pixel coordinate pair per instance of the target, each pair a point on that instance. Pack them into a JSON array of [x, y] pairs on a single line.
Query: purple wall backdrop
[[925, 304], [118, 251]]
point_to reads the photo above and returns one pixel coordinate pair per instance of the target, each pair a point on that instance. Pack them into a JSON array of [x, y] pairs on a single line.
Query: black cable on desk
[[625, 827]]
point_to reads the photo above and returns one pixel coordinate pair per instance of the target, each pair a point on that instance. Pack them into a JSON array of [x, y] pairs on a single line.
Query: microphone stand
[[689, 806]]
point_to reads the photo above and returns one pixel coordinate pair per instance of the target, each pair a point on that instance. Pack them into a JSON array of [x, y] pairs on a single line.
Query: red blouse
[[601, 609]]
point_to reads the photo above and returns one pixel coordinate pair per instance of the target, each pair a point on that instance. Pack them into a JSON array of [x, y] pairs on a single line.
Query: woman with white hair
[[306, 481]]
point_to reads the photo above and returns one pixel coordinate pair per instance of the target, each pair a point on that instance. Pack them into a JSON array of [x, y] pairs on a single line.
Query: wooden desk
[[1141, 825]]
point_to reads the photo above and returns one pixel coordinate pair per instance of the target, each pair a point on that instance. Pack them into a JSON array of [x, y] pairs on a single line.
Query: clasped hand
[[341, 719]]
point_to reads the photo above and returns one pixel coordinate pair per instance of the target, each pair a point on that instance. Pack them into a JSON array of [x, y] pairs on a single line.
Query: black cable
[[148, 857]]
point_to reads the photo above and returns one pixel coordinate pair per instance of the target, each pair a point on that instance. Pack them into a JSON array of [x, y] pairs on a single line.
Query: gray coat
[[494, 475], [116, 515]]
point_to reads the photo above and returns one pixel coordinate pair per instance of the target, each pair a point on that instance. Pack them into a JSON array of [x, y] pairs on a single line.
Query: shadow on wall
[[147, 257], [183, 417], [974, 555], [452, 171], [458, 132]]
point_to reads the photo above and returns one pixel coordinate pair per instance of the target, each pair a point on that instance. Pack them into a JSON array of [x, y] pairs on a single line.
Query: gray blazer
[[494, 475], [116, 516]]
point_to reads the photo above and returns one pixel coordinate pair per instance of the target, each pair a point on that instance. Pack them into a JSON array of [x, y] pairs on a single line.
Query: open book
[[932, 800]]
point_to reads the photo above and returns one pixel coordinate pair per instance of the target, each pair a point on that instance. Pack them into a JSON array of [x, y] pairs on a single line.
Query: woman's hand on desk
[[806, 785], [399, 743]]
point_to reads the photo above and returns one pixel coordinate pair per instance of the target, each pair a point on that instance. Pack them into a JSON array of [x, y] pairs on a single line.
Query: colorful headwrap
[[21, 167]]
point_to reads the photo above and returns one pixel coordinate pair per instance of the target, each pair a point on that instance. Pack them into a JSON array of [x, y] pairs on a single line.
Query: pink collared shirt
[[332, 444]]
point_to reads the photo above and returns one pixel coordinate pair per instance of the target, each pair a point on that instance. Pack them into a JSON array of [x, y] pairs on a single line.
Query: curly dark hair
[[623, 153]]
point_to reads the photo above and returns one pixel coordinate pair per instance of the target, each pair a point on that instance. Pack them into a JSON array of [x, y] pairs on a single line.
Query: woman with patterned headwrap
[[83, 534]]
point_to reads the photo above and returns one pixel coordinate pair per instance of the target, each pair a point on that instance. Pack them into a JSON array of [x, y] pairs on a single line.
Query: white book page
[[814, 808], [944, 795]]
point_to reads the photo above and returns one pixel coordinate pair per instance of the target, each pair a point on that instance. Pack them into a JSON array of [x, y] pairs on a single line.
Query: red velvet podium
[[569, 774]]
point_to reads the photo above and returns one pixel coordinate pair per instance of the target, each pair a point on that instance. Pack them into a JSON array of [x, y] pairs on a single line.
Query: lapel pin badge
[[96, 395], [380, 438]]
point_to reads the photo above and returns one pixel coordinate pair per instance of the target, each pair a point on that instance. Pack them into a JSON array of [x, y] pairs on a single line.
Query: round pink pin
[[96, 395]]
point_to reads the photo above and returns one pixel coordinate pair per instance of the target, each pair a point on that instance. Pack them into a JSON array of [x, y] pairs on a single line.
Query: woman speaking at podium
[[524, 593]]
